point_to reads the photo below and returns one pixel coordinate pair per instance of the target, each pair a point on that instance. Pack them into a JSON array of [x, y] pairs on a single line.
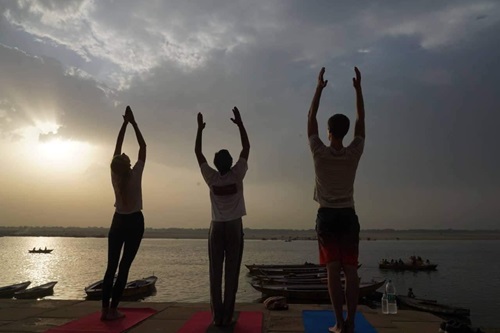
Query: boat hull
[[310, 292], [140, 287], [9, 291], [433, 307], [36, 292], [408, 267]]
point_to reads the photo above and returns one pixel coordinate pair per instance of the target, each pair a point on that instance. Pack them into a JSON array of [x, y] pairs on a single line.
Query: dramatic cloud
[[68, 69]]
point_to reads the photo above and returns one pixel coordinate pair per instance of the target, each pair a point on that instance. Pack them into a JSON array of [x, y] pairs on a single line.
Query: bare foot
[[114, 314], [335, 329]]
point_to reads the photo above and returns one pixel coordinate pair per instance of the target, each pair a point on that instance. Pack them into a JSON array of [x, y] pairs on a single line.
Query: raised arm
[[359, 128], [140, 140], [312, 122], [121, 136], [197, 147], [243, 133]]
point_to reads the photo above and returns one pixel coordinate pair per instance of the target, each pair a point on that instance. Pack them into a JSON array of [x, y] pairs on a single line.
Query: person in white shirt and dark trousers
[[225, 241]]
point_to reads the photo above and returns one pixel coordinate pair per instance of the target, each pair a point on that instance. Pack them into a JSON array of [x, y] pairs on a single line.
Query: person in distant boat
[[337, 224], [225, 239], [127, 227]]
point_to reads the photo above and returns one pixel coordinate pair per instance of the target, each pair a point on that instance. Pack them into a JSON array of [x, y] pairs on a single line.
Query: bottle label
[[391, 297]]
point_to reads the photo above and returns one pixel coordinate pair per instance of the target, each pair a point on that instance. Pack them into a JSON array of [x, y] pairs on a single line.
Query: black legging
[[126, 231]]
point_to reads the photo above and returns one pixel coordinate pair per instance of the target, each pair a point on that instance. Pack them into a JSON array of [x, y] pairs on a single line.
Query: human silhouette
[[337, 224], [225, 241], [127, 227]]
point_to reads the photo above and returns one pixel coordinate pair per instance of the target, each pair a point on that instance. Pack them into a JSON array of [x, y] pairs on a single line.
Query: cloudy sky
[[69, 68]]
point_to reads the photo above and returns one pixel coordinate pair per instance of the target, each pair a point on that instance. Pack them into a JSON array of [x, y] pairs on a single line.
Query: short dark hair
[[338, 126], [223, 160]]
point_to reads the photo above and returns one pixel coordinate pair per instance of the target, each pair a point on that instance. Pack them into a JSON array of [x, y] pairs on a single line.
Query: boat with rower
[[414, 263], [40, 250]]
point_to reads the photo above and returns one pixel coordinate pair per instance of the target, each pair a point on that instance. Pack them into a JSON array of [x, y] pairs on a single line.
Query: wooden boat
[[290, 276], [433, 307], [407, 266], [37, 292], [41, 251], [8, 291], [94, 290], [132, 288], [294, 280], [267, 280], [314, 292], [140, 287], [264, 266], [286, 269]]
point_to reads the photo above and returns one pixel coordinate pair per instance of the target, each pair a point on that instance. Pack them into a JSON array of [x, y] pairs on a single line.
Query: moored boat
[[267, 280], [140, 286], [37, 292], [314, 292], [133, 288], [286, 269], [433, 307], [8, 291], [291, 276]]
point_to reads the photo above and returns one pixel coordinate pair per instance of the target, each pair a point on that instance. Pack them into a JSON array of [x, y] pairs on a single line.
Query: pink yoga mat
[[198, 323], [92, 323], [247, 322]]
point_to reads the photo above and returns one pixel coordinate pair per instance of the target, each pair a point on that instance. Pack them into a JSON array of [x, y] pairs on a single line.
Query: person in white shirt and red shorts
[[225, 243], [337, 224]]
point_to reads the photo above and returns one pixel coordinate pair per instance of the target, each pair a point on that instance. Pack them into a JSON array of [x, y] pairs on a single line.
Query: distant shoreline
[[263, 234]]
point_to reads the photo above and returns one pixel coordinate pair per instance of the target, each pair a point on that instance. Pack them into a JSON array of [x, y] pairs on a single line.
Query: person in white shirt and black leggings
[[225, 241], [127, 227]]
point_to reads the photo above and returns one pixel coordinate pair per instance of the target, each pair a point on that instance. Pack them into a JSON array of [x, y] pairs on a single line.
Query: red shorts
[[330, 251], [338, 235]]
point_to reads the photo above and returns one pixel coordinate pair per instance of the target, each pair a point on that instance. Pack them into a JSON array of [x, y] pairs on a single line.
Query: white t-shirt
[[226, 191], [335, 172], [133, 191]]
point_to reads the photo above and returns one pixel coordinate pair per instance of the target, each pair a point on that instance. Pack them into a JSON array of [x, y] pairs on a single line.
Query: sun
[[60, 154]]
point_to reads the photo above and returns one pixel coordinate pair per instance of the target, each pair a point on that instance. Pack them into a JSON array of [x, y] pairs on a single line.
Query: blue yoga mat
[[318, 321]]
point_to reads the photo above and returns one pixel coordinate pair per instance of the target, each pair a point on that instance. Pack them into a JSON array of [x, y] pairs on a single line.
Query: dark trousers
[[225, 242], [126, 231]]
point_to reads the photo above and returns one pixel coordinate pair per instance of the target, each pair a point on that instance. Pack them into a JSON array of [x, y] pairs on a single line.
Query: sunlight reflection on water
[[182, 267]]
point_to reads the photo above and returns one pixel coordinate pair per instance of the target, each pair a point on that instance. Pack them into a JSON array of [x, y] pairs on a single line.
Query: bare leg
[[336, 294], [352, 292]]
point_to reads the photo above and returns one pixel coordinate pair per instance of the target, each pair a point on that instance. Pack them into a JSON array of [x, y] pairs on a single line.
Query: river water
[[468, 273]]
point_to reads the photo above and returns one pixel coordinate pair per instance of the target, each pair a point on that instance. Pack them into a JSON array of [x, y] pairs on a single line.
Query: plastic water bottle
[[390, 290], [385, 304]]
